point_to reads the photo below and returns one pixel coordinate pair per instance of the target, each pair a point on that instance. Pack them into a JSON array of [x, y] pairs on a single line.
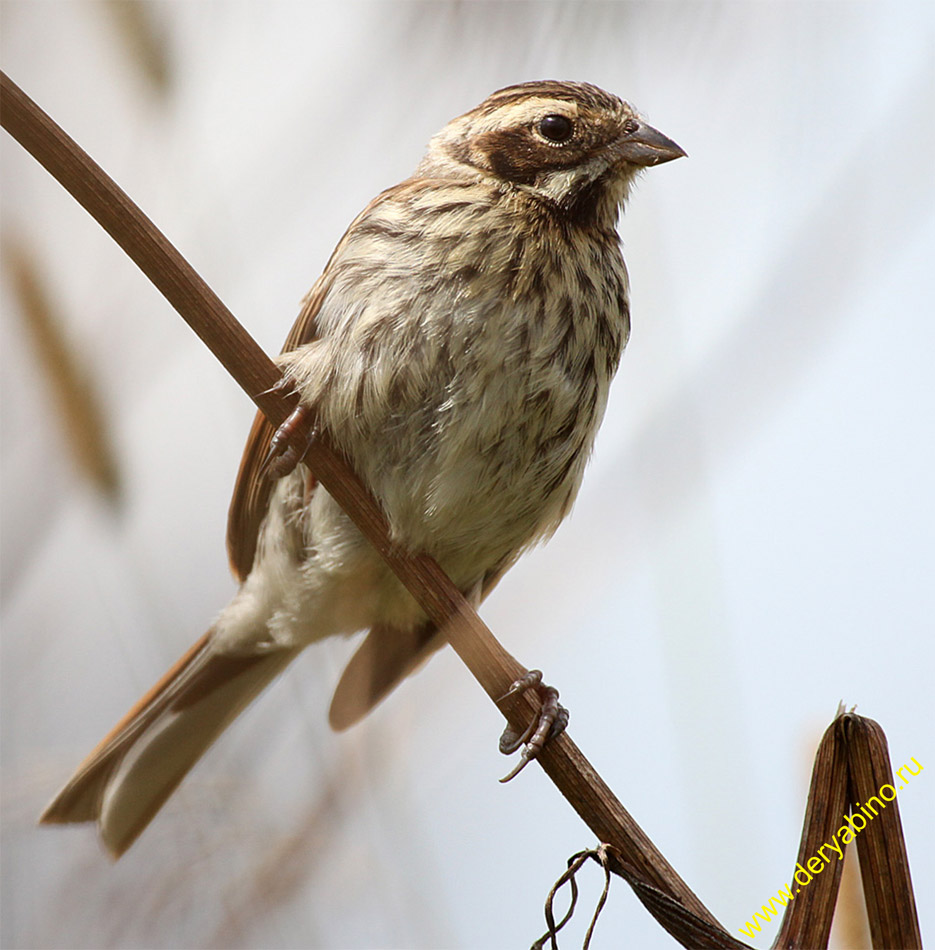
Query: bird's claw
[[551, 721], [291, 440]]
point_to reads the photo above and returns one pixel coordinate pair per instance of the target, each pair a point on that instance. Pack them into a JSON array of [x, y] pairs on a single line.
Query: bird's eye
[[556, 128]]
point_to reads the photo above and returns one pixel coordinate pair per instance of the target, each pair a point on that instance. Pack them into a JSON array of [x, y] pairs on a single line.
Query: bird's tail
[[124, 782]]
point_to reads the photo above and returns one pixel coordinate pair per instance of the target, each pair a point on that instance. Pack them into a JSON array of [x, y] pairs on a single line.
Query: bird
[[458, 348]]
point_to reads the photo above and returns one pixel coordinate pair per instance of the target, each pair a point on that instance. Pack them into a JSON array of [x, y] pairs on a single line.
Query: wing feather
[[253, 487]]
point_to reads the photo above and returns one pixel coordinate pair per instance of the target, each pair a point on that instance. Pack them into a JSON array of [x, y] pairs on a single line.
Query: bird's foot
[[551, 721], [291, 440]]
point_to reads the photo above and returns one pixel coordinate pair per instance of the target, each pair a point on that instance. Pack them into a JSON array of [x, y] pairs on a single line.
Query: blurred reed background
[[754, 537]]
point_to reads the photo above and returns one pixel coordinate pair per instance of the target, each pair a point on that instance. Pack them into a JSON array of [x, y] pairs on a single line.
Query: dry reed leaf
[[82, 419], [881, 847], [851, 769]]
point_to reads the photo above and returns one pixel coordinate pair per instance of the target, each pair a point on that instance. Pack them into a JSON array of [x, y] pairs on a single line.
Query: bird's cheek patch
[[509, 154]]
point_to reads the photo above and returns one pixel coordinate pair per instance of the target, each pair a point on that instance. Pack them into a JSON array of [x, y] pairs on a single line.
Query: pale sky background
[[753, 542]]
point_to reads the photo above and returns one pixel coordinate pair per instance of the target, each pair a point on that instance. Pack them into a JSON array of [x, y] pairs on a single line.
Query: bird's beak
[[647, 146]]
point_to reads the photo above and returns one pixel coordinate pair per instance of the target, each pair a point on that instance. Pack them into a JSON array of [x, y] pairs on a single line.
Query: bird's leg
[[291, 440], [551, 721]]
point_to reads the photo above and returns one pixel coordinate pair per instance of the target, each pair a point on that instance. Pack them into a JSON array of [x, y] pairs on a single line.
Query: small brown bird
[[458, 348]]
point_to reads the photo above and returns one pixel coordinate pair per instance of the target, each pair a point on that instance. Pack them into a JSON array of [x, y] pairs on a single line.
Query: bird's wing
[[253, 487]]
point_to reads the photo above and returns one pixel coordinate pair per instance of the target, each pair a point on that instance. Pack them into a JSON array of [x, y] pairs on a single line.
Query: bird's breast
[[471, 374]]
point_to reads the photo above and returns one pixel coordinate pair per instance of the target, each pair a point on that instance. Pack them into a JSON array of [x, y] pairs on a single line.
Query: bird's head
[[570, 144]]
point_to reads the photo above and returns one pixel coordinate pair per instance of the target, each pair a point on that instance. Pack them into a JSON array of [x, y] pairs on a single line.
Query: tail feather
[[386, 656], [125, 781]]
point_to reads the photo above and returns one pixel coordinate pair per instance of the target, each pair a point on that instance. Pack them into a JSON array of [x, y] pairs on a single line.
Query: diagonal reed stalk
[[632, 855]]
